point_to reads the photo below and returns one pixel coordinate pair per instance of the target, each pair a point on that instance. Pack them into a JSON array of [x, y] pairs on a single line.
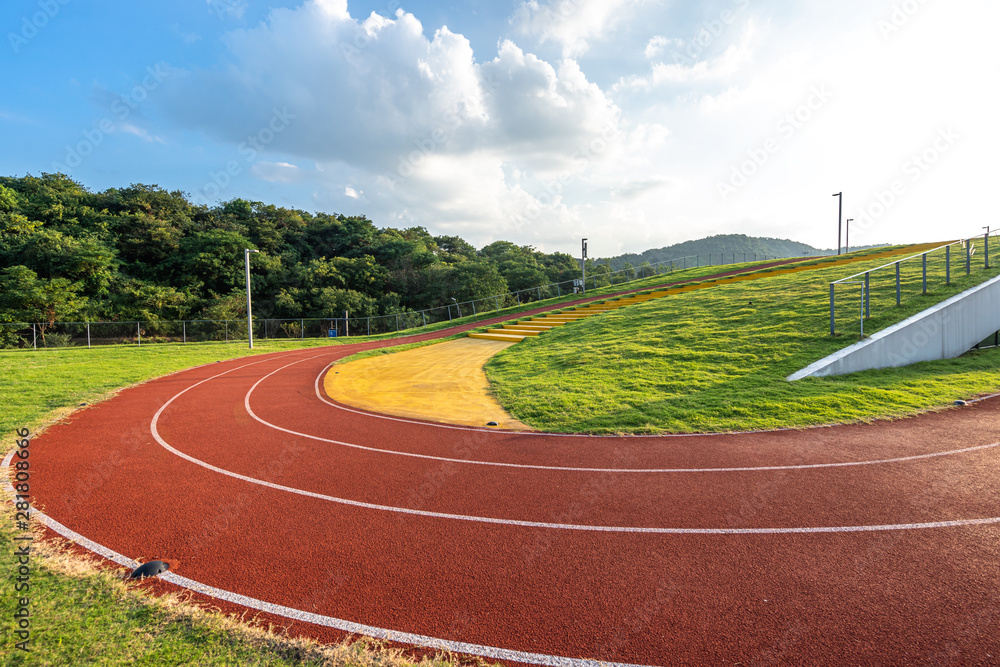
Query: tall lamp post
[[840, 218], [847, 241], [246, 260], [583, 264]]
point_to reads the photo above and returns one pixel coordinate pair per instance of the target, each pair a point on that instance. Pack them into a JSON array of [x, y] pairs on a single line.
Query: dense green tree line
[[143, 253]]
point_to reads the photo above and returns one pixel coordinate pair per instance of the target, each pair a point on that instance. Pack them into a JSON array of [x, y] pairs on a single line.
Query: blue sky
[[635, 123]]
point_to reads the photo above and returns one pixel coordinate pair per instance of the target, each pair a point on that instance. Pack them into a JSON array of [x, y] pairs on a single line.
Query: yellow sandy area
[[443, 382]]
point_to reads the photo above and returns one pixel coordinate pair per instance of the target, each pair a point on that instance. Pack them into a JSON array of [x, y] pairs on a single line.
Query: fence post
[[302, 331], [539, 293], [34, 338], [449, 312], [947, 265], [968, 257], [832, 330], [397, 322], [898, 295], [924, 261], [88, 335], [497, 300], [474, 313], [986, 250], [369, 326], [184, 331], [138, 334], [423, 314], [868, 310], [227, 330]]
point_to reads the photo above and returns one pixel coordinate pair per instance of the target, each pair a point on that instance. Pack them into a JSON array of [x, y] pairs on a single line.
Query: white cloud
[[277, 172], [231, 9], [352, 193], [573, 24], [135, 131]]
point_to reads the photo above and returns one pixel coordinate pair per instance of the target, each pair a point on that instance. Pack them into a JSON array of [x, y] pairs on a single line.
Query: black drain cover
[[150, 569]]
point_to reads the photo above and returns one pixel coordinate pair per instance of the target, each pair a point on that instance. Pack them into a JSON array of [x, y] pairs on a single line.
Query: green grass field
[[715, 360]]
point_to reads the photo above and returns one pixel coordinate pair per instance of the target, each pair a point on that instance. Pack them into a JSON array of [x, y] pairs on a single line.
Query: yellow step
[[508, 338], [514, 331], [539, 324]]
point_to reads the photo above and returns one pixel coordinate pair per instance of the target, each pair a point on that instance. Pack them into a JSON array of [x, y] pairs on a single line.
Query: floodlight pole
[[583, 264], [246, 260], [847, 241], [840, 218]]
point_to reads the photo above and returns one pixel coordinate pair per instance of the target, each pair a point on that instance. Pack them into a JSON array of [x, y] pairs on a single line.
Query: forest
[[143, 253]]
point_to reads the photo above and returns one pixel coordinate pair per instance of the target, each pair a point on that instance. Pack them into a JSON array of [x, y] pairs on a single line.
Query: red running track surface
[[860, 544]]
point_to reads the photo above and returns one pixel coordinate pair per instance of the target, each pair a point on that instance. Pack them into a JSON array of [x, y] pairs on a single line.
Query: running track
[[861, 544]]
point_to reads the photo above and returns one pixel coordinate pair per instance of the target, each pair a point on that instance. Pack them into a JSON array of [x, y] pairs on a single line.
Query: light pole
[[847, 241], [246, 260], [840, 218], [583, 264]]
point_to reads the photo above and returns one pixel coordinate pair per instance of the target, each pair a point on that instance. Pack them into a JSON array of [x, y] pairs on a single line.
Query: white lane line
[[540, 524], [902, 459], [350, 627]]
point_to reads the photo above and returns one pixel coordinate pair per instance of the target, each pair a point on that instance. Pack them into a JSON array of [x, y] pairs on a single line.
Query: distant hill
[[726, 244]]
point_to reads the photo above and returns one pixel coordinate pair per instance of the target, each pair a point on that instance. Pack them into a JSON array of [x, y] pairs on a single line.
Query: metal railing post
[[833, 286], [968, 257], [397, 322], [227, 330], [924, 260], [898, 294], [868, 310], [947, 265], [34, 337], [369, 326], [88, 335], [423, 314], [184, 332], [986, 250], [138, 334]]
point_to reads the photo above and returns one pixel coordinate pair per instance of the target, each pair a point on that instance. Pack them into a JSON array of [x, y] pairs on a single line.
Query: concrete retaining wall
[[944, 331]]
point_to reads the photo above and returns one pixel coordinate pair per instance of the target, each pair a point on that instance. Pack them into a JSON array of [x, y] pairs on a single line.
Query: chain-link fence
[[855, 298], [87, 334]]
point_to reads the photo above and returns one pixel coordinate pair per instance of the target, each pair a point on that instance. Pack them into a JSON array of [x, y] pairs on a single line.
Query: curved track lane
[[869, 544]]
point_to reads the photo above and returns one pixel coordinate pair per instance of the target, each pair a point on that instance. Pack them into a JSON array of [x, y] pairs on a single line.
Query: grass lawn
[[715, 360]]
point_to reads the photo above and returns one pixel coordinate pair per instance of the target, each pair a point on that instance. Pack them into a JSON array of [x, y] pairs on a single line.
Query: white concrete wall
[[944, 331]]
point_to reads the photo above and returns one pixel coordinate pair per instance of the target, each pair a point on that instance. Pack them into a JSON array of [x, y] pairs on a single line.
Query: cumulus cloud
[[430, 132]]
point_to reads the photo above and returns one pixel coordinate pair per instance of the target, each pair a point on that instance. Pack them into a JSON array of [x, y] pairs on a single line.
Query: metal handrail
[[898, 261]]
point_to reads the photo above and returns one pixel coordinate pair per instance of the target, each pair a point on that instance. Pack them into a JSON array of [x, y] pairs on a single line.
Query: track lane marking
[[443, 459]]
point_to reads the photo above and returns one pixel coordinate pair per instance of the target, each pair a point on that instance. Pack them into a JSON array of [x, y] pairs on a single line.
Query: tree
[[26, 298]]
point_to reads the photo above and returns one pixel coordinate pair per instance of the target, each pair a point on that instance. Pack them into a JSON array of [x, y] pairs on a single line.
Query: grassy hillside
[[726, 244], [716, 359]]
